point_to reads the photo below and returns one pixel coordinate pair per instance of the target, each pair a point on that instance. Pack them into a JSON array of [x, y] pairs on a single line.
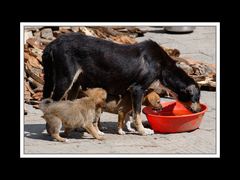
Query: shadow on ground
[[35, 131], [38, 131]]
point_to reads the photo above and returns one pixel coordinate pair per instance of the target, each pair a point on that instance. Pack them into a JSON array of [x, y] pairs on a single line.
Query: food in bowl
[[173, 118]]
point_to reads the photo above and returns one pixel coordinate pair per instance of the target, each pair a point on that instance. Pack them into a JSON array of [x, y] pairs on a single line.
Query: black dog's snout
[[195, 107]]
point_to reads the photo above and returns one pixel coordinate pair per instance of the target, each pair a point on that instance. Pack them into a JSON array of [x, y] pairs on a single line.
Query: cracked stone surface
[[200, 45]]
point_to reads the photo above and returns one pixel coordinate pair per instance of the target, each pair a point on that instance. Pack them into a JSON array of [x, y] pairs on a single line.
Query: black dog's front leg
[[137, 95]]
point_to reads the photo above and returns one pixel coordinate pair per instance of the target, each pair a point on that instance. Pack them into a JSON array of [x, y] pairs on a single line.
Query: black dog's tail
[[47, 60], [44, 104]]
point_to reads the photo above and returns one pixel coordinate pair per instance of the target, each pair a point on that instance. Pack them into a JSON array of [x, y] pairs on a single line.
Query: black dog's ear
[[191, 89], [187, 90]]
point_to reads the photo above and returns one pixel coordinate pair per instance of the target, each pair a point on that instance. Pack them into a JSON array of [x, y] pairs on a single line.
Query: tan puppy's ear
[[100, 102], [154, 100]]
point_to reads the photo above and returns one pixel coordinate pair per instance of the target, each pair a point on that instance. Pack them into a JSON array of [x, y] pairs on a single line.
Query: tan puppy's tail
[[45, 103]]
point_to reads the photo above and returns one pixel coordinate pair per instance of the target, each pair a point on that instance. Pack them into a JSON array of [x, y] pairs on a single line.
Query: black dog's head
[[184, 88], [190, 96]]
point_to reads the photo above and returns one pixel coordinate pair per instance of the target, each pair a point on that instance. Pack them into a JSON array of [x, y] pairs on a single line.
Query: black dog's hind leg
[[137, 95], [63, 83], [48, 72]]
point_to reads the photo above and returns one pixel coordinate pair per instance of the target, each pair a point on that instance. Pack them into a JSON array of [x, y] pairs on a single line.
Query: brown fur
[[74, 114]]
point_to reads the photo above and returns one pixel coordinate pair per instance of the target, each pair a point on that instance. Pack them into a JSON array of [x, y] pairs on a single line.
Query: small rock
[[47, 33]]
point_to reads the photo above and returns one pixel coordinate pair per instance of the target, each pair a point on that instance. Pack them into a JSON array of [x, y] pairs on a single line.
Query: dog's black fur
[[114, 67]]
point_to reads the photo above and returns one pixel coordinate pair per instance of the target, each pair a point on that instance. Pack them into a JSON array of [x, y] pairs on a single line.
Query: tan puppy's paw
[[100, 133], [146, 131], [58, 138], [121, 132]]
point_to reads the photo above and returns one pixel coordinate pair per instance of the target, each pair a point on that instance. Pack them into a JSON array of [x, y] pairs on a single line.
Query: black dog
[[74, 60]]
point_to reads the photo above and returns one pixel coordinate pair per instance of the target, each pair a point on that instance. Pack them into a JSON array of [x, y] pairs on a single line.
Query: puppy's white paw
[[129, 128], [121, 132], [100, 133], [147, 131]]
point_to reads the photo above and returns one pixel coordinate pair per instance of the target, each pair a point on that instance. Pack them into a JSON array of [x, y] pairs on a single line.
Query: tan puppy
[[122, 106], [74, 114]]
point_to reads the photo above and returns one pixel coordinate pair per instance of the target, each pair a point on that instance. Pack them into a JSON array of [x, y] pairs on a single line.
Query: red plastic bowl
[[174, 118]]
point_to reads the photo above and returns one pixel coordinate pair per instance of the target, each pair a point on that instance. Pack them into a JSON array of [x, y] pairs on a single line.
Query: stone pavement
[[198, 45]]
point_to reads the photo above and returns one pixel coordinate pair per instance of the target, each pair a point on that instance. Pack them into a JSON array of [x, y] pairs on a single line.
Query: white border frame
[[217, 155]]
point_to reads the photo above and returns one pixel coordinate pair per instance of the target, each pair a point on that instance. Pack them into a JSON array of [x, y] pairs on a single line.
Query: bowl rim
[[179, 116]]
